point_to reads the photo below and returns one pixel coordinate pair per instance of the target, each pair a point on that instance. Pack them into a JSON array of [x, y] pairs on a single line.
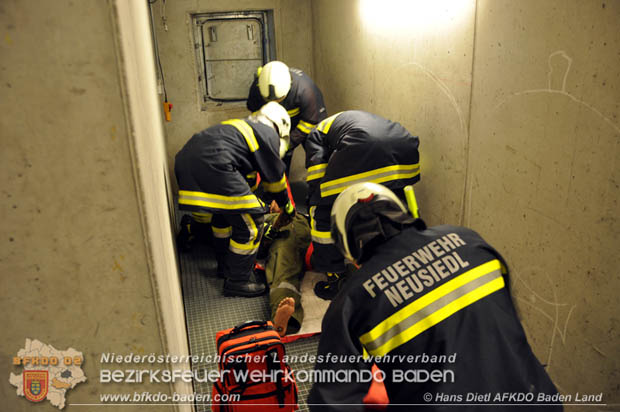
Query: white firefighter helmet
[[361, 213], [274, 81], [280, 119]]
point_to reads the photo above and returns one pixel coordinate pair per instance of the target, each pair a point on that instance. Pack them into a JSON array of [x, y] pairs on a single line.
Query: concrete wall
[[76, 268], [176, 46], [544, 170], [408, 72], [516, 106]]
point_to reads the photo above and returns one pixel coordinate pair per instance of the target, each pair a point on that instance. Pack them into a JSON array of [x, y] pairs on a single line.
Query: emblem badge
[[35, 385]]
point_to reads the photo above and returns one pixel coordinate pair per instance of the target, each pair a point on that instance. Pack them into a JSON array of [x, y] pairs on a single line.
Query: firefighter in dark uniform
[[294, 90], [439, 294], [212, 169], [347, 148]]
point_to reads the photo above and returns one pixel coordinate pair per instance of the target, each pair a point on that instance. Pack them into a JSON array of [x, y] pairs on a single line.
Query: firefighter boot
[[247, 288], [185, 236], [327, 289]]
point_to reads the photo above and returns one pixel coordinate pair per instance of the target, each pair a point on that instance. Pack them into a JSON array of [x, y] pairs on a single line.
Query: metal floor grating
[[208, 311]]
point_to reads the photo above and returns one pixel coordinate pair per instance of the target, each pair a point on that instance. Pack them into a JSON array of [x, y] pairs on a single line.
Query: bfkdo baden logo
[[35, 385], [48, 373]]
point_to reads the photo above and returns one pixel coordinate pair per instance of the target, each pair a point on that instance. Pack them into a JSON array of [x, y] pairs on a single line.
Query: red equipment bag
[[253, 373]]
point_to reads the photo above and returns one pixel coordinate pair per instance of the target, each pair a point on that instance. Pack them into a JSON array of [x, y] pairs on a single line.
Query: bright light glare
[[413, 14]]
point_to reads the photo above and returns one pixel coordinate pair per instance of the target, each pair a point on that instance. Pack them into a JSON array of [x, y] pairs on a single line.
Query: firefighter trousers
[[236, 238], [326, 257]]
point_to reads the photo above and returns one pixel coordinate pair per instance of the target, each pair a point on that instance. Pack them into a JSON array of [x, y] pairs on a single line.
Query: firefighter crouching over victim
[[294, 90], [439, 294], [211, 170], [285, 247], [347, 148]]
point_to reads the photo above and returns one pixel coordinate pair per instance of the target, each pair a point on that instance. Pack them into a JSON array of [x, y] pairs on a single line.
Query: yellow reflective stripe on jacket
[[202, 217], [276, 186], [214, 201], [243, 248], [247, 132], [305, 126], [221, 232], [384, 174], [316, 172], [432, 308], [293, 112], [324, 126]]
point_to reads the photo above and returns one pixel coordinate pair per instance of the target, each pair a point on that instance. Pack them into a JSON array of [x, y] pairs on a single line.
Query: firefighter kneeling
[[403, 301]]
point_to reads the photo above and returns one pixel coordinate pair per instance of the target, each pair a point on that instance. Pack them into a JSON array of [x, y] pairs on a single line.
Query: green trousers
[[284, 267]]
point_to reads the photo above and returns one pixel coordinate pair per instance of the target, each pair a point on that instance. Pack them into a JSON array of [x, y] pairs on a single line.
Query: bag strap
[[247, 324], [237, 369], [223, 406], [273, 365]]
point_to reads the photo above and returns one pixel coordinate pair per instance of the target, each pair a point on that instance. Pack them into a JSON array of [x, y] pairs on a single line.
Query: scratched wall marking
[[452, 99], [563, 92], [559, 322]]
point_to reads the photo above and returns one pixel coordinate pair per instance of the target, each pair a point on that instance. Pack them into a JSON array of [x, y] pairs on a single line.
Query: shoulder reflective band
[[323, 238], [432, 308], [260, 69], [275, 187], [316, 172], [305, 126], [384, 174], [324, 126], [293, 112], [213, 201], [246, 131]]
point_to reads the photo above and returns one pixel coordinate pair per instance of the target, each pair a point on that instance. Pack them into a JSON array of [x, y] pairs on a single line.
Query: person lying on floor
[[285, 248]]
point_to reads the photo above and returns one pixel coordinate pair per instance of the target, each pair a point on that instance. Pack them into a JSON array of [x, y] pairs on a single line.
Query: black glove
[[271, 233]]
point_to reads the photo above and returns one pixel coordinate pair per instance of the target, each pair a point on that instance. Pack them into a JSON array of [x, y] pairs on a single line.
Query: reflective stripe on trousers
[[236, 241], [326, 257]]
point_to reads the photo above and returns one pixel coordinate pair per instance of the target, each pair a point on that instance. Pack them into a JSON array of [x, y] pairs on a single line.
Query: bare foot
[[285, 309]]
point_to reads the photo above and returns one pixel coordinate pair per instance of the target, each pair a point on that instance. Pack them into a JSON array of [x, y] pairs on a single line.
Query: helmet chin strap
[[283, 147]]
